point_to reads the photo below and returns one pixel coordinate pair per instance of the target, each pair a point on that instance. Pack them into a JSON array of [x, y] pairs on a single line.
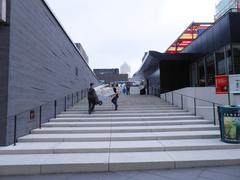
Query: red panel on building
[[221, 84]]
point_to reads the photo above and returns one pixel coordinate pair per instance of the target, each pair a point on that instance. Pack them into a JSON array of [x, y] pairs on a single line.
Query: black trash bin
[[229, 121]]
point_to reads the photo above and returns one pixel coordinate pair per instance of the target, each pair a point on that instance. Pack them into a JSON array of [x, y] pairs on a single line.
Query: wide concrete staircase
[[144, 133]]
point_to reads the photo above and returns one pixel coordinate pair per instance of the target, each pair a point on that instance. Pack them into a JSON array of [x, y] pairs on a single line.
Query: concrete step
[[112, 119], [124, 129], [83, 137], [105, 108], [127, 106], [97, 162], [125, 114], [116, 146], [124, 123]]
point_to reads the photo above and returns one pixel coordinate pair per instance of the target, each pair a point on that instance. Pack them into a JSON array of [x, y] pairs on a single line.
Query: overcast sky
[[116, 31]]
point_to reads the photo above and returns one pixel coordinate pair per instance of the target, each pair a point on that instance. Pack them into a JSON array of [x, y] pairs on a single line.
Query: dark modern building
[[202, 51], [41, 70], [110, 75]]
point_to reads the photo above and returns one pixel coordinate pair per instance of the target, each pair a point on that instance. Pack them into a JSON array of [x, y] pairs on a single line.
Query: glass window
[[236, 56], [220, 61], [201, 73], [229, 59], [194, 74], [210, 70]]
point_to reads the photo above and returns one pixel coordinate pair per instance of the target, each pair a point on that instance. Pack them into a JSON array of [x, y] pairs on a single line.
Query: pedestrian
[[92, 99], [128, 88], [115, 98], [124, 88]]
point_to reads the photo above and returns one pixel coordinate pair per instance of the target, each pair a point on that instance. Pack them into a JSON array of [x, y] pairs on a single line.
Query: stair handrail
[[81, 92], [194, 99]]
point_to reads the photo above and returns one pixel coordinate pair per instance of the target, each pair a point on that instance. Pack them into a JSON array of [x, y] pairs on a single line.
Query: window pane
[[229, 60], [201, 73], [210, 70], [194, 74], [220, 61], [236, 53]]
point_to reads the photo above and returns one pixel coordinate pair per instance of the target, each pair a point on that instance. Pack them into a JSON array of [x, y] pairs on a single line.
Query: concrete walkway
[[145, 133]]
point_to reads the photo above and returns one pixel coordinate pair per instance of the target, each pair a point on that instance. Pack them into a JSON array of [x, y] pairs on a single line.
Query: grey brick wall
[[42, 66]]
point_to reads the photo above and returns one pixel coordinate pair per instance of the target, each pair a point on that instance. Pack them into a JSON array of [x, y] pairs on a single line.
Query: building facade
[[225, 5], [215, 51], [110, 75], [39, 66]]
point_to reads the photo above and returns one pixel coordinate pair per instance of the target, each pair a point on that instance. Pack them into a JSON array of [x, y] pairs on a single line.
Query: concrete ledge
[[117, 146], [54, 163], [203, 158], [100, 112], [125, 115], [123, 123], [140, 161], [148, 118], [148, 128], [98, 162]]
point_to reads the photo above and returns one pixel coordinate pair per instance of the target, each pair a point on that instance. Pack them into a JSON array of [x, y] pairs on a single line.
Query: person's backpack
[[91, 93]]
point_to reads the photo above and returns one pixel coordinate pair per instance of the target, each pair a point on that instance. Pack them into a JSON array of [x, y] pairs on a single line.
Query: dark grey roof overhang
[[153, 59]]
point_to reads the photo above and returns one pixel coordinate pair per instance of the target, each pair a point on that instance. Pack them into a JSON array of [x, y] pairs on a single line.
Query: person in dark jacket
[[128, 88], [115, 98], [92, 98]]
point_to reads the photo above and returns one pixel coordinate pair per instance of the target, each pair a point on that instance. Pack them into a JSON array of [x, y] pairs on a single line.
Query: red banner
[[221, 82]]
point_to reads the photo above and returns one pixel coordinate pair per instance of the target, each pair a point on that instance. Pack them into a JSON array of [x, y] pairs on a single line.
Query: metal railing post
[[172, 99], [55, 109], [15, 130], [195, 107], [65, 103], [40, 117], [72, 99], [181, 101], [166, 97], [77, 98], [214, 115]]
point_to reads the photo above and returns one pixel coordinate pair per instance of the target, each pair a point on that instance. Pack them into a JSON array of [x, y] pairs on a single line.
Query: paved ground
[[212, 173]]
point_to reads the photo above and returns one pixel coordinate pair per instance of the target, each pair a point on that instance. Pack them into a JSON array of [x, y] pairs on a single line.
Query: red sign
[[221, 82]]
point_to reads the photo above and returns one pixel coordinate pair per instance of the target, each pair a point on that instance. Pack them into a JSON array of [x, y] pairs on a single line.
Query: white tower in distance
[[125, 69]]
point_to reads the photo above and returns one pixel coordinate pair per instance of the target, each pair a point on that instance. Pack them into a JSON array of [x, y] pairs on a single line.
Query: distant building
[[125, 69], [110, 75], [106, 71], [225, 5], [82, 52], [3, 6]]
